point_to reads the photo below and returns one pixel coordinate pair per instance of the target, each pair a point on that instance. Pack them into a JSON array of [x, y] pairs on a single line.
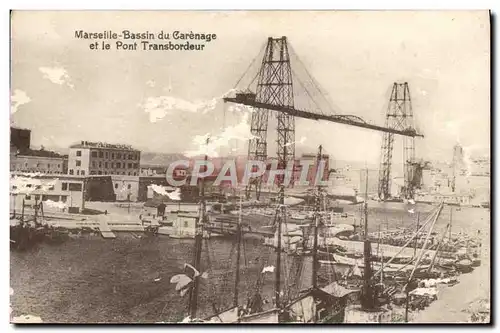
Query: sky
[[165, 101]]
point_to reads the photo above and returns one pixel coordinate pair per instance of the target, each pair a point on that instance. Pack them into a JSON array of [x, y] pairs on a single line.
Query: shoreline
[[459, 303]]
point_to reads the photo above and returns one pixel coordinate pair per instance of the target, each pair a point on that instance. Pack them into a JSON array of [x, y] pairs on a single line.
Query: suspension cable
[[316, 84], [249, 66]]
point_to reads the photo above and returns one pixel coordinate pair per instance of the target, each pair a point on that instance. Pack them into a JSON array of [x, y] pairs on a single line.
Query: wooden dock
[[106, 230]]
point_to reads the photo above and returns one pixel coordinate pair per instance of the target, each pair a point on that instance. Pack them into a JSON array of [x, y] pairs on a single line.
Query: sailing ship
[[368, 279], [311, 305]]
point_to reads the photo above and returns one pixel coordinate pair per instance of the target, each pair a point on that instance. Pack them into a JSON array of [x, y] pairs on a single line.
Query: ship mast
[[367, 301], [281, 213], [316, 222], [238, 255], [198, 240]]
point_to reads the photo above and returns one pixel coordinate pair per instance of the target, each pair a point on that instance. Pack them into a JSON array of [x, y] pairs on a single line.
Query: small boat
[[298, 216], [464, 265]]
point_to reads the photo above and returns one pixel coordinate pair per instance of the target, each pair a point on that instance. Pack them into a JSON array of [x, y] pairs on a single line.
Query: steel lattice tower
[[399, 116], [274, 87]]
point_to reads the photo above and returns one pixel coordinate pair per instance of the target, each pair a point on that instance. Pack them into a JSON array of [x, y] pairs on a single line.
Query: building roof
[[154, 166], [40, 175], [41, 153], [19, 128], [103, 145]]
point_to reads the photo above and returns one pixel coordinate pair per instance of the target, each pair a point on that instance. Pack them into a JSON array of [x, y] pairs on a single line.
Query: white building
[[67, 191], [98, 158]]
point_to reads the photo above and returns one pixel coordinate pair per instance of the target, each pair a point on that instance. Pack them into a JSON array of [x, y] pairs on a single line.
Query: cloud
[[160, 106], [239, 132], [19, 98], [240, 108], [57, 75]]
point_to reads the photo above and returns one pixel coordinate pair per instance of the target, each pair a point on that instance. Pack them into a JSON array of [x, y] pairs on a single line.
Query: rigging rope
[[307, 92], [428, 219], [426, 239]]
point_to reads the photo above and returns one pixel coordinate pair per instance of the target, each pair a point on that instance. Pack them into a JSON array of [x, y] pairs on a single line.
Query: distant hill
[[160, 159]]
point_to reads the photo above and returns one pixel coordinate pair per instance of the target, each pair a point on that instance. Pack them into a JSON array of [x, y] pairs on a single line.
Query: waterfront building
[[27, 160], [98, 158], [65, 189], [42, 161], [152, 170]]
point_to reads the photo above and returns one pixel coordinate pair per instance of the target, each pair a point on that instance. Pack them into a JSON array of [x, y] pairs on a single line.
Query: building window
[[28, 197], [106, 164], [78, 163], [82, 173], [118, 156], [78, 153], [106, 154], [93, 164], [135, 173], [25, 165], [75, 186], [116, 185], [77, 172], [130, 165], [92, 172], [59, 165], [112, 155], [101, 154], [118, 165], [64, 186], [129, 186], [129, 173], [105, 172], [136, 165], [51, 188], [100, 164], [99, 172], [48, 166], [64, 198], [70, 171], [129, 157], [94, 154]]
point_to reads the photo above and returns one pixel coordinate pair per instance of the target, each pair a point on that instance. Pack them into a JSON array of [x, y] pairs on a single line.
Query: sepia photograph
[[250, 167]]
